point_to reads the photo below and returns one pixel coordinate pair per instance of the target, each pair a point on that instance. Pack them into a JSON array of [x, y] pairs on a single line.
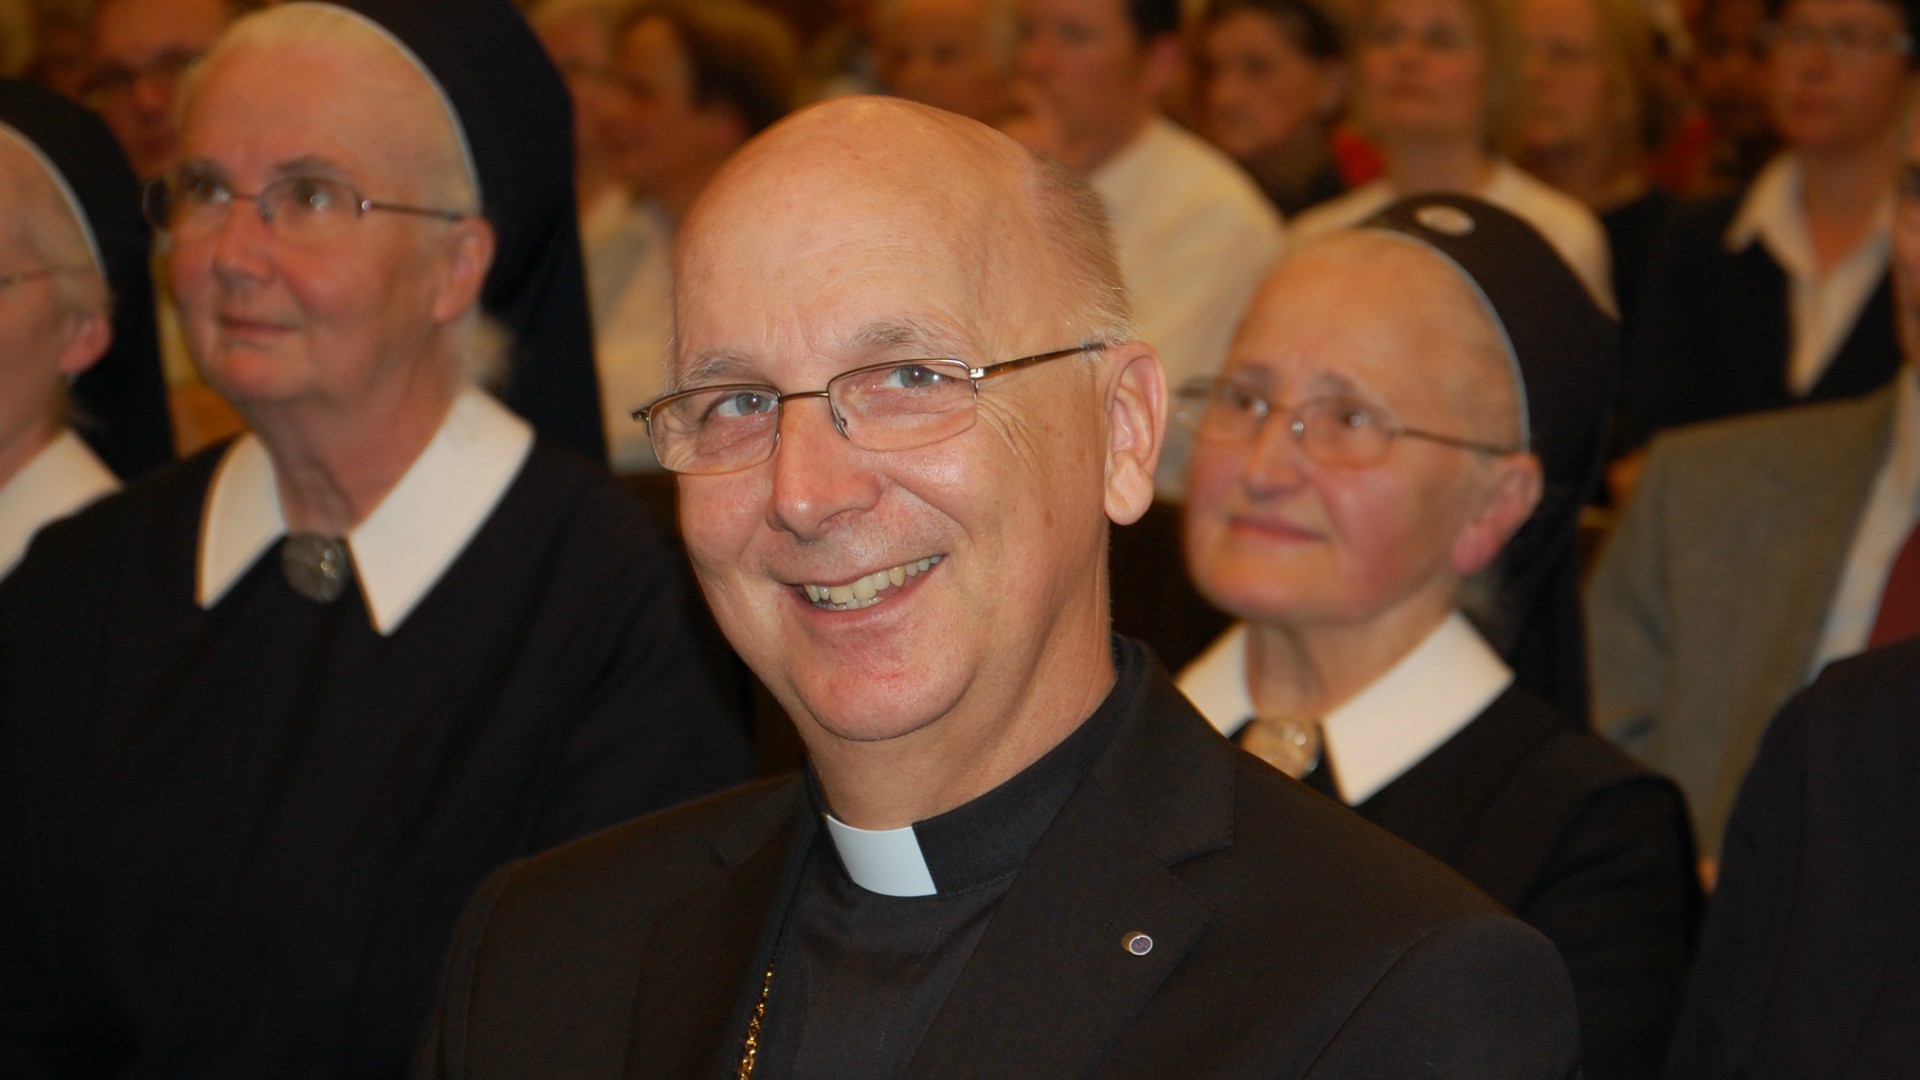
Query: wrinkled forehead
[[1387, 287], [814, 256], [349, 69]]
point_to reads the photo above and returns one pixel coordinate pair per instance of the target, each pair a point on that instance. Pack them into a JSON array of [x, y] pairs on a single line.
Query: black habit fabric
[[1591, 849], [1711, 333], [1568, 352], [1289, 938], [517, 119], [1810, 967], [1633, 231], [235, 842], [121, 402]]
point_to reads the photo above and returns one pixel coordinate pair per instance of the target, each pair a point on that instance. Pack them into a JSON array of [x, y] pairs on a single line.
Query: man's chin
[[834, 716]]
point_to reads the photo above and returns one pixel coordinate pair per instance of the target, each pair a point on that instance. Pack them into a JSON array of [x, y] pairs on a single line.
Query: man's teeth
[[865, 592]]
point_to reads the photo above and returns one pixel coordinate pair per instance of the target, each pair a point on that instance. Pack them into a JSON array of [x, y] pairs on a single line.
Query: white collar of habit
[[401, 550]]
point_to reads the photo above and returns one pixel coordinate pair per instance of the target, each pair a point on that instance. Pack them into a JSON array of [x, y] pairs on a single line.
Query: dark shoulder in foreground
[[1808, 967]]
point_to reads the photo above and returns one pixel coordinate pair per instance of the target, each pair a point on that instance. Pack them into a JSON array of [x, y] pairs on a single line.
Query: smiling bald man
[[906, 404]]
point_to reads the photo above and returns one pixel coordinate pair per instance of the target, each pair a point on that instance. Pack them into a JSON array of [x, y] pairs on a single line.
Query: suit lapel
[[1052, 978], [699, 967]]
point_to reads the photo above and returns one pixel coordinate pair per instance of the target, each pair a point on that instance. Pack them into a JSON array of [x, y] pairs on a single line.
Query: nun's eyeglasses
[[894, 406], [1335, 431], [191, 203]]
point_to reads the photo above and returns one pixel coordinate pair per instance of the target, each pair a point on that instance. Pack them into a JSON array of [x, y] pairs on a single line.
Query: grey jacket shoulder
[[1784, 437]]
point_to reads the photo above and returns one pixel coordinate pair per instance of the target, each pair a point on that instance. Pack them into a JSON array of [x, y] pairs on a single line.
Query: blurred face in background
[[1573, 97], [1260, 91], [950, 54], [668, 133], [1423, 72], [582, 47], [1086, 69], [140, 50], [1839, 70], [1730, 69]]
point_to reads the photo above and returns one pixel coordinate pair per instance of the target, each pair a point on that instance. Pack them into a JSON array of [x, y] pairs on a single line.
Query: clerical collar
[[63, 477], [991, 836], [1420, 702], [401, 550]]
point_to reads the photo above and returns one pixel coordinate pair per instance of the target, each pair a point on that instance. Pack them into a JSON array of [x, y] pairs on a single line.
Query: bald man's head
[[1028, 239]]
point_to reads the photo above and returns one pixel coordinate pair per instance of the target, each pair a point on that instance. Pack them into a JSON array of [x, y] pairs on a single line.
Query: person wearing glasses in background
[[138, 53], [1779, 294], [1357, 471], [267, 719], [140, 50], [903, 415]]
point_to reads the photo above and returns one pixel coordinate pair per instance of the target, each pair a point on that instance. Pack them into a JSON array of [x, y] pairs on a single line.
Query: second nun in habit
[[1362, 460]]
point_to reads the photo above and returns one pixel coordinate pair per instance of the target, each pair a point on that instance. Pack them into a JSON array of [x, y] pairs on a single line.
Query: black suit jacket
[[1811, 962], [1290, 938], [1710, 337], [1588, 847]]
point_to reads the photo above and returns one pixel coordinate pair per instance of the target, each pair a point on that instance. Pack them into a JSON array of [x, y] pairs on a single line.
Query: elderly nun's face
[[1274, 535], [276, 320], [43, 341]]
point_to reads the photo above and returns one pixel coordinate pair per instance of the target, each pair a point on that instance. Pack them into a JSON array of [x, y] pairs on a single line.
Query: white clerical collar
[[401, 550], [888, 862], [1407, 713], [59, 480]]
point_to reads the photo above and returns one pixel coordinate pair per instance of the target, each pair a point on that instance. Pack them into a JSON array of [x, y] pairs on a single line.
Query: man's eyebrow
[[716, 367], [309, 165], [888, 335], [904, 334]]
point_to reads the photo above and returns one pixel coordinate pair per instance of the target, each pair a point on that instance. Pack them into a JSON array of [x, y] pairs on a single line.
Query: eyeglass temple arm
[[1006, 366], [1464, 444]]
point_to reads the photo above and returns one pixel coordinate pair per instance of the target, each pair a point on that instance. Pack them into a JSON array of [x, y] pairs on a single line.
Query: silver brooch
[[317, 567]]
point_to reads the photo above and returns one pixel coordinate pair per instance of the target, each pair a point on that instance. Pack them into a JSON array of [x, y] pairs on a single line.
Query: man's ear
[[1136, 403], [87, 338], [1516, 490], [468, 255]]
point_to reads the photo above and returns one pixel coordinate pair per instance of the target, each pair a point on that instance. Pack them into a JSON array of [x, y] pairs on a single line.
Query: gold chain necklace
[[750, 1049]]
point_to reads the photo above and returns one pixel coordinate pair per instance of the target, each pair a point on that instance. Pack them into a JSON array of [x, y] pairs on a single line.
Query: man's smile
[[868, 589]]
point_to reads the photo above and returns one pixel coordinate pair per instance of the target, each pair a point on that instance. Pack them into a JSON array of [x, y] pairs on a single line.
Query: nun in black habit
[[1444, 374], [120, 403], [268, 717]]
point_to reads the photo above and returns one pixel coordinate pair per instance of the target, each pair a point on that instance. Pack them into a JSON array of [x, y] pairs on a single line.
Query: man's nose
[[819, 478]]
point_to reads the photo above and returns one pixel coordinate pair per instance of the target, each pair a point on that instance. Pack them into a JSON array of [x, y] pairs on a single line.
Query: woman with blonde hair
[[1439, 90]]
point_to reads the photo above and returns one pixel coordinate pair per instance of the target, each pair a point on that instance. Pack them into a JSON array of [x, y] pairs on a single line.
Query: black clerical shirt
[[859, 976]]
